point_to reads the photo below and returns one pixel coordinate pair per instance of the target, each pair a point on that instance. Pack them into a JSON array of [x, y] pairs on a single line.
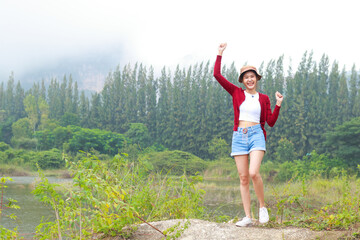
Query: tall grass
[[110, 198]]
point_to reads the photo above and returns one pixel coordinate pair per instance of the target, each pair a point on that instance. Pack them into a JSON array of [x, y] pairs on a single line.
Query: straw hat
[[244, 69]]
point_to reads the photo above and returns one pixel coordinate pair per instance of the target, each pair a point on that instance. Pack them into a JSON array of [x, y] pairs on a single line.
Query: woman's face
[[250, 80]]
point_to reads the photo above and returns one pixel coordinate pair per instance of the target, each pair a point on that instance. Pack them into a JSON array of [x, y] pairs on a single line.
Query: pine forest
[[185, 109]]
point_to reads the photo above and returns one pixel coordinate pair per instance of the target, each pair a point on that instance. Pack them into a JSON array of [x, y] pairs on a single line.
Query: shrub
[[49, 159], [22, 128], [177, 162], [69, 119], [4, 146], [311, 165], [45, 139], [139, 134], [343, 141], [3, 157], [110, 198], [286, 172], [223, 168], [285, 151], [218, 148], [102, 141], [24, 143]]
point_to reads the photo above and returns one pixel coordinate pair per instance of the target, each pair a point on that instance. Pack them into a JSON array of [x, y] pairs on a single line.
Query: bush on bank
[[176, 162], [50, 159], [110, 197]]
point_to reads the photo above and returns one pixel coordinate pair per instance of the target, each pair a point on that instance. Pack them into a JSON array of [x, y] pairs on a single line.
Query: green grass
[[10, 170], [317, 203], [17, 171]]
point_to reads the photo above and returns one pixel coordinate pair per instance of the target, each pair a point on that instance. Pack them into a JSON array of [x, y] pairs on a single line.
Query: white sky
[[167, 33]]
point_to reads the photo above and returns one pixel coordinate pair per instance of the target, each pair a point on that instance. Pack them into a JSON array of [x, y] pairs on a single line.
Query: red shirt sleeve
[[228, 86], [271, 117]]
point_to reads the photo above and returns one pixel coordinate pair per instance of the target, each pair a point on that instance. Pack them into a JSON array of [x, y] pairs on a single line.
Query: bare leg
[[242, 164], [254, 172]]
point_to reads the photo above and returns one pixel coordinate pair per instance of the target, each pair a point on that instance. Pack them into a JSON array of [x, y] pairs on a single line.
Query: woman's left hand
[[279, 98]]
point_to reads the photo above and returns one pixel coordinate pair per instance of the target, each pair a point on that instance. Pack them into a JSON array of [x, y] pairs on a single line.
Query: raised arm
[[228, 86], [221, 49], [273, 116], [279, 98]]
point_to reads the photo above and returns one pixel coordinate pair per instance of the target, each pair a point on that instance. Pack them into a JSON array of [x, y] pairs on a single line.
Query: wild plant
[[6, 233], [299, 208], [112, 198], [341, 214]]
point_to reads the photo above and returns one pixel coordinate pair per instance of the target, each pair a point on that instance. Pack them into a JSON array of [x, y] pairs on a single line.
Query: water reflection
[[222, 198], [31, 210]]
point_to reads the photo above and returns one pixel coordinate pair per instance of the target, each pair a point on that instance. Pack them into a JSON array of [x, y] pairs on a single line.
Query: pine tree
[[353, 90], [107, 111], [279, 75], [9, 97], [130, 79], [300, 94], [288, 113], [118, 92], [62, 94], [164, 107], [323, 121], [84, 110], [151, 94], [333, 113], [313, 129], [176, 120], [194, 113], [68, 102], [343, 98], [19, 109], [43, 110], [2, 97], [356, 108], [31, 108], [260, 84], [75, 99], [277, 131], [54, 100], [43, 90], [141, 95], [226, 113], [95, 112], [206, 131], [269, 89]]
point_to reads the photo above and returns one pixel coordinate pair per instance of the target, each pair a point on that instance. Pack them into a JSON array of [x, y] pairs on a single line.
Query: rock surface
[[204, 230]]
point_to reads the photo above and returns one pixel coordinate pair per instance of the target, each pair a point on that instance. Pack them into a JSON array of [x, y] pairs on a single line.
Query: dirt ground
[[204, 230]]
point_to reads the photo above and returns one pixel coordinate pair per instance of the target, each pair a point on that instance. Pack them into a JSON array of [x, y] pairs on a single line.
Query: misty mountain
[[89, 70]]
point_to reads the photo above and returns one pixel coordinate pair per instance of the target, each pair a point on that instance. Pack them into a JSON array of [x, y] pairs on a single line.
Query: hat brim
[[242, 74]]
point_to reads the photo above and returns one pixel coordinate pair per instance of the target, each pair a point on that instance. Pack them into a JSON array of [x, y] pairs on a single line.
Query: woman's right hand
[[222, 48]]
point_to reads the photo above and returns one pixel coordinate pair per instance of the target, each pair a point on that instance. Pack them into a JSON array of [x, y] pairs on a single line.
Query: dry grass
[[13, 171]]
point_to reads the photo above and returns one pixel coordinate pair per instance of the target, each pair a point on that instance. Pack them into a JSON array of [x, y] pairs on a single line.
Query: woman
[[251, 111]]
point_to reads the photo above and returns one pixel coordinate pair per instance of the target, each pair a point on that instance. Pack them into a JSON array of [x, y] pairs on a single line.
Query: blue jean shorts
[[247, 139]]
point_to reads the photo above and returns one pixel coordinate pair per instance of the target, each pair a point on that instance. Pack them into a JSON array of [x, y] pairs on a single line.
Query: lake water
[[222, 198], [31, 210]]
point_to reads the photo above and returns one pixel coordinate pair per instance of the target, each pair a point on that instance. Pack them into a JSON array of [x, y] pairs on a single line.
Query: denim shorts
[[247, 139]]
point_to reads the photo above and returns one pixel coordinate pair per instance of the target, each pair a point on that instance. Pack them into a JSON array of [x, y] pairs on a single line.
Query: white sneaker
[[263, 215], [246, 221]]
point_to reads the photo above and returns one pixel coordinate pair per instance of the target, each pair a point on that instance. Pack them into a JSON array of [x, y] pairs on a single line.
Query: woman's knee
[[244, 179], [254, 175]]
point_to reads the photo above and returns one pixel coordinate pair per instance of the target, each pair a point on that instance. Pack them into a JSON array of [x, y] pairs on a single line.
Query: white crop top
[[250, 109]]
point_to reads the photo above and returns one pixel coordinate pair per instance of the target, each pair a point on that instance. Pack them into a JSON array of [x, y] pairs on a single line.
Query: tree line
[[186, 109]]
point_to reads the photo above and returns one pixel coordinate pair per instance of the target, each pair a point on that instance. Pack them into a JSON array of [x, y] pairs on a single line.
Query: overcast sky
[[165, 32]]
